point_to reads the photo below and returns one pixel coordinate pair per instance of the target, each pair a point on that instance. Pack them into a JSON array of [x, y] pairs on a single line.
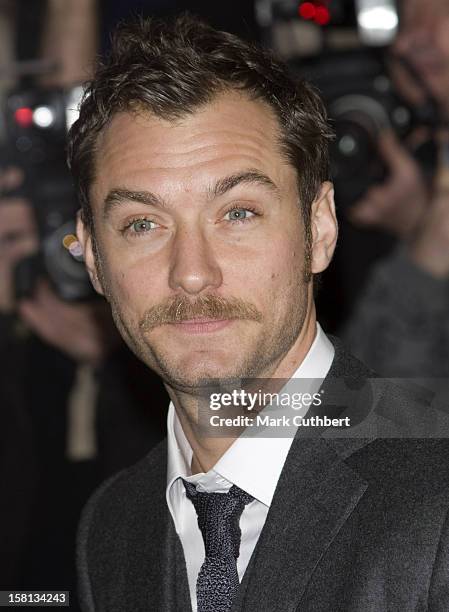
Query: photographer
[[48, 348], [400, 326]]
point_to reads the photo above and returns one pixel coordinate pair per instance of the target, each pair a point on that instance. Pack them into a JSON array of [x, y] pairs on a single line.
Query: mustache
[[181, 308]]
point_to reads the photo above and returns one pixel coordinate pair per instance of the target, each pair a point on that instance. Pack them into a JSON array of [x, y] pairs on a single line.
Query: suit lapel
[[155, 573], [316, 494]]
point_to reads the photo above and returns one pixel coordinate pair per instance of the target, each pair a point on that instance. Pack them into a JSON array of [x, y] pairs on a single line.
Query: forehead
[[231, 133]]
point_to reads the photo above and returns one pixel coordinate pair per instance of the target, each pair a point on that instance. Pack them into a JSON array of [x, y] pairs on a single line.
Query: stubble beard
[[260, 361]]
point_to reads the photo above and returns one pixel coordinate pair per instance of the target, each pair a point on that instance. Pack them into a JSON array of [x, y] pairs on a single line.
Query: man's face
[[424, 42], [201, 243]]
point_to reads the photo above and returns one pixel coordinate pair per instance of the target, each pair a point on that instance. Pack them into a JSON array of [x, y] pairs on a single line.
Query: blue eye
[[239, 214], [140, 226]]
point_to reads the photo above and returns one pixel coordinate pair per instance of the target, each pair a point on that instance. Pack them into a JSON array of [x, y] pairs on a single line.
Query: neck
[[208, 450]]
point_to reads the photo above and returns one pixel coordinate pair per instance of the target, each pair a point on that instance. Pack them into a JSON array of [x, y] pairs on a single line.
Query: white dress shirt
[[252, 463]]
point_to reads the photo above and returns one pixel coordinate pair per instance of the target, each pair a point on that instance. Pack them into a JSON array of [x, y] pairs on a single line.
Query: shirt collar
[[253, 464]]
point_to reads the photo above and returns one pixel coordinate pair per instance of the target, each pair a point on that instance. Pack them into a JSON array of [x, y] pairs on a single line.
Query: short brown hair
[[172, 69]]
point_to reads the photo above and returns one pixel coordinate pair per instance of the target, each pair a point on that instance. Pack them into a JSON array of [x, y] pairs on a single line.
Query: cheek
[[288, 258], [277, 275], [133, 288], [289, 280]]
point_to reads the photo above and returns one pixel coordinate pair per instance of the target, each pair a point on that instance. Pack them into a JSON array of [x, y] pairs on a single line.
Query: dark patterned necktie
[[218, 519]]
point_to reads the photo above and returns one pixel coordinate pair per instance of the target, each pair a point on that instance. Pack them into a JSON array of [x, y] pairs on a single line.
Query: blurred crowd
[[76, 406]]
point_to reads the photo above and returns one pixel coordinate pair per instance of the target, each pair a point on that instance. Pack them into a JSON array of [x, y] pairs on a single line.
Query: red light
[[24, 116], [307, 10], [322, 15]]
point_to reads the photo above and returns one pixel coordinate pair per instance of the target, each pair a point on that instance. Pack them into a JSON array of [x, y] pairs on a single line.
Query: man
[[206, 210]]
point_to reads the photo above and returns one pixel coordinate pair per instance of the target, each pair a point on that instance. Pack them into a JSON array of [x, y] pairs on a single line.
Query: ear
[[324, 228], [85, 239]]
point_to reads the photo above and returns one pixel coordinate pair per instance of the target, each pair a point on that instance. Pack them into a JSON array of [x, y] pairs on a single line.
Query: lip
[[202, 326]]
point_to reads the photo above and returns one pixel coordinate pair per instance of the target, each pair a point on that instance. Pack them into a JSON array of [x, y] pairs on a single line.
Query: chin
[[194, 373]]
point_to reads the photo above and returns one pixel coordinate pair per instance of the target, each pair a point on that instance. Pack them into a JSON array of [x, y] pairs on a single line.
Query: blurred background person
[[400, 325], [383, 69]]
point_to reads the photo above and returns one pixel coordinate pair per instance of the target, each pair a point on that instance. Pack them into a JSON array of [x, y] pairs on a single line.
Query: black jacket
[[357, 523]]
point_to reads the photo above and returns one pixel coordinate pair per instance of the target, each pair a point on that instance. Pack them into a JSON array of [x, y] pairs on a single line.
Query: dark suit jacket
[[356, 524]]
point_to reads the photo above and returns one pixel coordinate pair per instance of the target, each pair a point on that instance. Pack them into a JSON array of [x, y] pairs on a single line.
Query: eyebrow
[[119, 196], [224, 185]]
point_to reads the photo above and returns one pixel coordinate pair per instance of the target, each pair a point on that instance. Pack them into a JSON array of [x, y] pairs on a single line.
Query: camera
[[341, 46], [361, 101], [35, 124]]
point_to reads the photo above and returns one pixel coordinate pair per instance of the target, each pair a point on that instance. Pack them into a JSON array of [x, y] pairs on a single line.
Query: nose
[[193, 266]]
